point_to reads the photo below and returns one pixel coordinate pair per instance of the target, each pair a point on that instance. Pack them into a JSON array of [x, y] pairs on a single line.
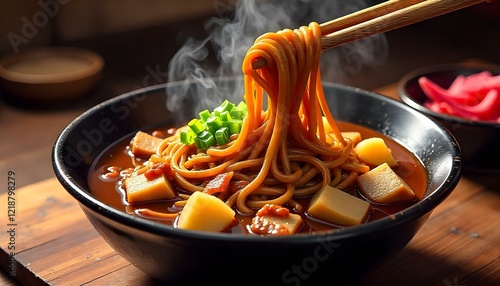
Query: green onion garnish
[[187, 136], [207, 140], [235, 126], [214, 122], [196, 126], [204, 115], [222, 135], [215, 127]]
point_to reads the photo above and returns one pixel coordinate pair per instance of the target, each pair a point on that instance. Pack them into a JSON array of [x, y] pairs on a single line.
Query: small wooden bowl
[[50, 73]]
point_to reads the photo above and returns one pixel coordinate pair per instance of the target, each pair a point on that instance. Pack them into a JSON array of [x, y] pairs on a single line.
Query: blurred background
[[135, 37]]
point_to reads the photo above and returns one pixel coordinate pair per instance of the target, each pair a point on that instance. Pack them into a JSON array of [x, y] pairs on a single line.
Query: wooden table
[[56, 245]]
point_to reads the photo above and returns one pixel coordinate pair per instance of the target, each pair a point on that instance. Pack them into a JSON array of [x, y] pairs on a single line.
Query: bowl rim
[[96, 65], [443, 68], [86, 200]]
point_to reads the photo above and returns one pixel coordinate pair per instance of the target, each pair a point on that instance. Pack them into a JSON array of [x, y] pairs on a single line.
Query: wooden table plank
[[458, 246], [128, 275], [103, 266], [55, 241]]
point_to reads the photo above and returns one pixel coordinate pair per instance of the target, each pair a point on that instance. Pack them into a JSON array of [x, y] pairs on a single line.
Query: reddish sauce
[[109, 166]]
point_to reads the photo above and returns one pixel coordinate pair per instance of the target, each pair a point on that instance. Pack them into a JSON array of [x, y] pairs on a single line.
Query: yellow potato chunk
[[374, 151], [383, 185], [140, 189], [206, 213], [353, 135], [335, 206]]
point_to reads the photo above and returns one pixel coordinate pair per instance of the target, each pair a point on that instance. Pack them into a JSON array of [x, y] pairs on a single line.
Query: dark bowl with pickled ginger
[[465, 98], [181, 257]]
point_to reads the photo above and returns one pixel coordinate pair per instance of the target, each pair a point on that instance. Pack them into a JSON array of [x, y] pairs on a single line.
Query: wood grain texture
[[365, 15]]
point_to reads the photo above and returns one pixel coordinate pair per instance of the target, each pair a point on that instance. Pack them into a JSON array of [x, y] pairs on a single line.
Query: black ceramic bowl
[[479, 140], [178, 256]]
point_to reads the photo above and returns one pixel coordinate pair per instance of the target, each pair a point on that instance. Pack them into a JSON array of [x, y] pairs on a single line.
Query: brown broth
[[410, 170]]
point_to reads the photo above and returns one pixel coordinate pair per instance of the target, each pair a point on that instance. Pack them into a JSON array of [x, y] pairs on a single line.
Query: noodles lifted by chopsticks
[[291, 149]]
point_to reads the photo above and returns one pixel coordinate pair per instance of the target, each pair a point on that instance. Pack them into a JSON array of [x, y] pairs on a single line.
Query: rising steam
[[230, 37]]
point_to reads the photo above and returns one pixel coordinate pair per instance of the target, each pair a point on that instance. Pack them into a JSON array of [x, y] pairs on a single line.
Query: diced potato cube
[[338, 207], [353, 135], [140, 189], [144, 144], [383, 185], [205, 212], [374, 151], [292, 222]]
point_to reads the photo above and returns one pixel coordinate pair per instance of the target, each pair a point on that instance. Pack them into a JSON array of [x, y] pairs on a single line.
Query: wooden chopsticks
[[365, 15], [384, 17]]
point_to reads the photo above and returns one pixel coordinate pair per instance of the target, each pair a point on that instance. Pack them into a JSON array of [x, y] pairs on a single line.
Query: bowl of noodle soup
[[281, 100]]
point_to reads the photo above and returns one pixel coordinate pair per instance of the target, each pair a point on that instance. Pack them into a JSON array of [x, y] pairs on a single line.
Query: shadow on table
[[411, 267]]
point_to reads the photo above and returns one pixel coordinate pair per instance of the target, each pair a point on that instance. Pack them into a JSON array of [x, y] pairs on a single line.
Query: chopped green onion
[[225, 116], [197, 142], [187, 136], [235, 126], [236, 113], [211, 130], [215, 127], [222, 135], [239, 111], [204, 115], [207, 140], [243, 106], [214, 122], [226, 124], [196, 126], [225, 106]]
